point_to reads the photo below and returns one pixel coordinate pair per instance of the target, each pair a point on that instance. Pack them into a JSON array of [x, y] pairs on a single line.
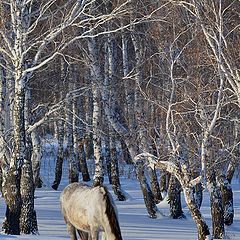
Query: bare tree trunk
[[59, 161], [106, 152], [198, 194], [129, 85], [225, 180], [114, 168], [126, 155], [231, 168], [129, 93], [36, 158], [151, 148], [89, 118], [131, 143], [73, 171], [11, 180], [155, 185], [10, 185], [78, 131], [174, 198], [110, 78], [201, 225], [217, 212], [140, 121], [227, 199], [9, 105], [28, 218], [12, 197], [3, 88], [146, 190], [98, 160], [26, 180], [194, 169], [20, 201], [95, 76], [164, 182], [60, 135], [79, 144], [215, 196]]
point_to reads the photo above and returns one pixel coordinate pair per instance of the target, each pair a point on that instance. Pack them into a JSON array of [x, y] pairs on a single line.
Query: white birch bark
[[27, 51], [208, 173], [110, 73], [98, 174], [130, 141], [59, 162], [60, 131], [9, 103], [36, 158], [73, 167], [23, 200], [2, 100], [129, 85], [2, 124], [27, 181], [78, 134], [96, 76], [141, 128], [89, 118], [106, 149]]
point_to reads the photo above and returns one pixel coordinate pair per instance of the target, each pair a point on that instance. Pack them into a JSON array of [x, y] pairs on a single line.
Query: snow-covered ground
[[134, 222]]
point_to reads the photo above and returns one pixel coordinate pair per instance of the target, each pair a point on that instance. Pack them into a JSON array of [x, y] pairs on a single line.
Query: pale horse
[[89, 210]]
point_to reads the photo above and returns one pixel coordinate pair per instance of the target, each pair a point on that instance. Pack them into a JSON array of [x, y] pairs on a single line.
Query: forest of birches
[[159, 77]]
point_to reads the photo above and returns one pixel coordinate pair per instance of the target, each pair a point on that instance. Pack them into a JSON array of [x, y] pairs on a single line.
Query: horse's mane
[[111, 214]]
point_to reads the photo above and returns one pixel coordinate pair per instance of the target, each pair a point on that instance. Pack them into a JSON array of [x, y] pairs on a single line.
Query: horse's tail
[[112, 214]]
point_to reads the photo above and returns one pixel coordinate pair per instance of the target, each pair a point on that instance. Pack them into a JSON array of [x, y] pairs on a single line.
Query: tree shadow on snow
[[7, 237]]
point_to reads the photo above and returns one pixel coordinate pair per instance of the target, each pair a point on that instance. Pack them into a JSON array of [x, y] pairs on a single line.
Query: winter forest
[[147, 88]]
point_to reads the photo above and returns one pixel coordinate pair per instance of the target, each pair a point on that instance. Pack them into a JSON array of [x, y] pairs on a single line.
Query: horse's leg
[[71, 231], [83, 235]]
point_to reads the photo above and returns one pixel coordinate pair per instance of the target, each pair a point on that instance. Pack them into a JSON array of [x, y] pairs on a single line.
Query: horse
[[89, 210]]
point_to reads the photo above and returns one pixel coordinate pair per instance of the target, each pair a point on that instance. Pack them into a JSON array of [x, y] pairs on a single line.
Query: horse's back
[[82, 195], [71, 189], [90, 209], [82, 205]]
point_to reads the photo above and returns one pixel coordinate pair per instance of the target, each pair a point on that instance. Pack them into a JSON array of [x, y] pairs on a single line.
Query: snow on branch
[[195, 181], [153, 161], [169, 166]]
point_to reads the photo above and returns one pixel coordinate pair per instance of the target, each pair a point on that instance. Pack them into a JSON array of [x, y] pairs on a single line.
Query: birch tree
[[73, 170], [78, 126], [218, 36], [110, 78], [96, 77], [27, 46], [60, 130], [219, 31]]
